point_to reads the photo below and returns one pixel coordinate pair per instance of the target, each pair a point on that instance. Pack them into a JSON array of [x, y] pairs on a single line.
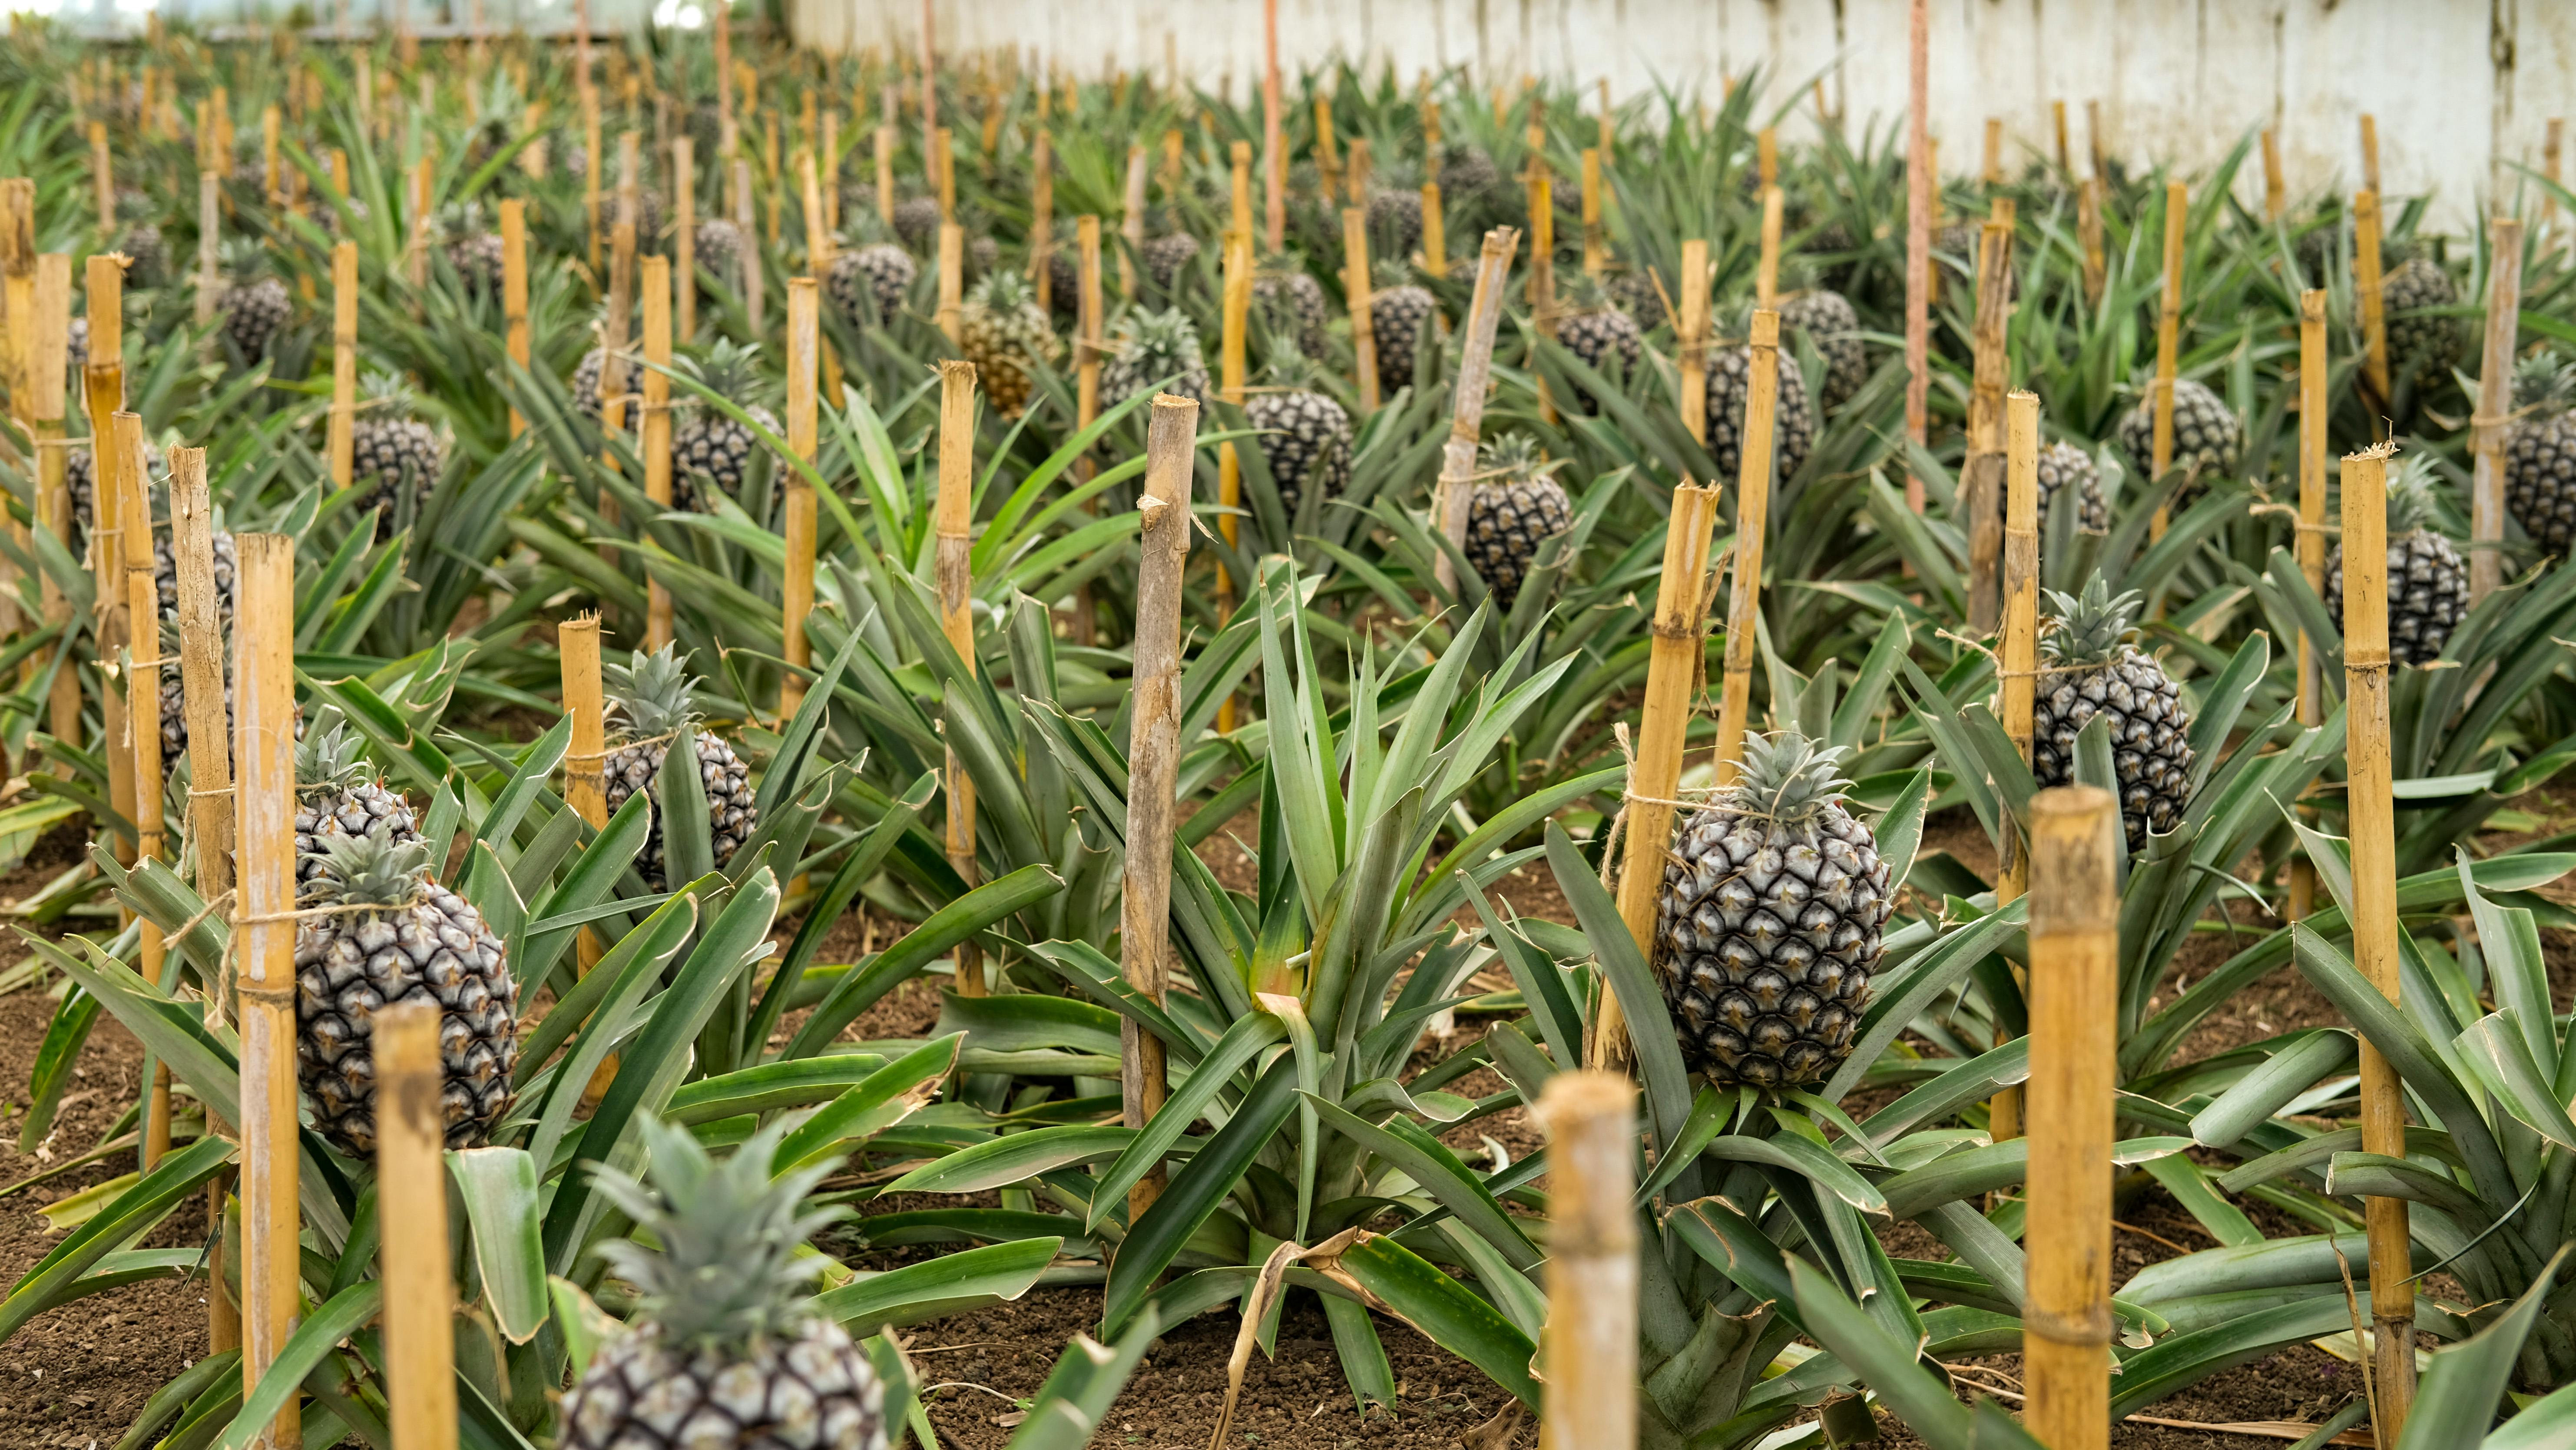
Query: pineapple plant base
[[2428, 581], [869, 283], [1294, 303], [2420, 347], [2061, 464], [1830, 322], [2205, 434], [650, 695], [1399, 317], [2088, 668], [398, 936], [1004, 333], [1155, 347], [1516, 508], [2540, 454], [711, 452], [725, 1350], [1306, 437], [334, 797], [1767, 926], [388, 446], [1793, 426]]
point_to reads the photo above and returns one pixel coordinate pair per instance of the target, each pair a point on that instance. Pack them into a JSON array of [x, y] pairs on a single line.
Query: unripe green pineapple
[[725, 1351], [337, 793], [1400, 316], [649, 696], [1306, 437], [2428, 581], [1793, 418], [2540, 453], [254, 305], [1517, 506], [1155, 347], [1767, 924], [2205, 433], [2089, 668], [1005, 334], [2420, 346], [1597, 331], [411, 939], [710, 452], [1293, 302], [389, 445]]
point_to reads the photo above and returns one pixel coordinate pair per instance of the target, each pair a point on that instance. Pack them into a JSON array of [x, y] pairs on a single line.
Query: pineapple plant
[[253, 304], [2428, 581], [1394, 220], [336, 794], [146, 252], [474, 251], [869, 282], [2062, 464], [586, 376], [649, 696], [1306, 437], [858, 198], [725, 1348], [1827, 318], [165, 577], [398, 936], [1793, 427], [916, 223], [1004, 333], [1151, 347], [1467, 174], [1400, 316], [2205, 433], [1166, 257], [1294, 303], [1516, 506], [388, 443], [2089, 668], [2420, 346], [2540, 452], [1634, 290], [719, 246], [1597, 331], [1767, 926], [710, 451]]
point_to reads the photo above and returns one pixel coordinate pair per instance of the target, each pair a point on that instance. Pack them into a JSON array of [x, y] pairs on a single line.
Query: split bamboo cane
[[747, 256], [2370, 152], [2168, 342], [1153, 756], [1692, 340], [952, 571], [2057, 120], [952, 281], [684, 233], [2273, 190], [48, 359], [1982, 479], [804, 351], [102, 173], [2311, 546], [1766, 275], [1435, 233], [344, 362], [2366, 284], [1752, 522], [1131, 223], [1467, 400], [514, 291], [411, 1198], [656, 432], [143, 703], [1590, 1343], [1918, 240], [1355, 287], [103, 379], [264, 933], [585, 705], [2495, 401], [1596, 251], [2074, 971], [1042, 216], [2018, 663]]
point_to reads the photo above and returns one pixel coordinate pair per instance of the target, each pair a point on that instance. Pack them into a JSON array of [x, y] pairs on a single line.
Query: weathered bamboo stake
[[1542, 265], [2371, 806], [952, 281], [584, 703], [103, 378], [1467, 399], [2088, 235], [1355, 288], [411, 1198], [264, 932], [753, 280], [1355, 180], [656, 431], [929, 69], [1435, 233], [804, 353], [1752, 522], [2495, 401], [1274, 156], [953, 575], [2553, 139], [1982, 479], [1088, 341], [143, 703], [1673, 670], [2168, 341], [344, 358], [2018, 664], [2273, 189], [2370, 152], [593, 163], [2057, 119], [1596, 251], [684, 232], [1042, 215], [1590, 1344], [1766, 159], [944, 161], [1169, 177], [2366, 281], [885, 174], [1766, 275], [1918, 240], [2074, 970], [514, 292], [2311, 546], [1328, 161], [102, 173], [1153, 756], [1235, 320], [1131, 222], [1993, 173], [1692, 339], [48, 359]]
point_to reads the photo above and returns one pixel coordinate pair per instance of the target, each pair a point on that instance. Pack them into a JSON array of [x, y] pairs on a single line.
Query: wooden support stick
[[2366, 283], [2495, 402], [1235, 317], [1596, 249], [1274, 155], [104, 383], [1153, 760], [1355, 287], [264, 939], [1766, 275], [1131, 223], [953, 574], [945, 160], [2553, 140], [593, 163], [684, 233], [1088, 323], [143, 705], [1766, 158], [47, 361], [1435, 233], [804, 354], [2057, 119], [1590, 1345], [2074, 970], [2168, 341], [514, 293], [1993, 175], [1042, 216], [584, 703], [2370, 801], [2311, 545], [748, 253], [2018, 662], [1328, 162], [1692, 337], [952, 280], [1918, 240], [1356, 179], [2088, 235], [344, 359], [656, 430], [411, 1197], [1467, 399], [2273, 190], [1982, 480], [2370, 153], [102, 174], [1542, 265], [1752, 522]]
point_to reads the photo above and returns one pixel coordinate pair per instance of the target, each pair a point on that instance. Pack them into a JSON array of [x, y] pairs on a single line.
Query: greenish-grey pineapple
[[395, 936], [648, 697], [1167, 256], [1293, 302], [1005, 334], [869, 281], [2062, 465], [1306, 436], [253, 304], [1517, 505], [2540, 453], [1793, 417], [1400, 316], [1829, 321], [337, 793], [2428, 581], [389, 445], [726, 1350], [710, 450], [2421, 346], [2205, 431], [2089, 668], [1767, 926], [1597, 330], [1155, 347]]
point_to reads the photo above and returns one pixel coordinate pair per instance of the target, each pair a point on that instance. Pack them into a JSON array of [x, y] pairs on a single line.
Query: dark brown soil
[[2302, 1384]]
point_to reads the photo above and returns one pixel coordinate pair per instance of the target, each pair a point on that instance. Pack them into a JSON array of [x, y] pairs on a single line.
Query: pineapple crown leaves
[[650, 692], [387, 390], [729, 1273], [2414, 496], [1388, 273], [1514, 458], [1166, 341], [1286, 364], [729, 369], [2544, 382], [1786, 778], [2089, 628], [1585, 294], [1003, 290], [329, 760], [371, 871], [243, 260]]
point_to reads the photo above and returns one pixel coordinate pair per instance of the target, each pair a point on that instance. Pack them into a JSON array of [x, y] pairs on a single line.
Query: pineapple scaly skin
[[869, 283], [2540, 454], [1004, 332], [719, 246], [2420, 347], [650, 695], [1399, 318], [1768, 922], [1634, 291], [478, 261], [2061, 464], [1828, 318], [709, 449], [1295, 302], [585, 383], [2205, 433], [1306, 437], [1150, 348], [1166, 256], [2090, 669], [387, 446], [1793, 428], [814, 1392], [916, 223], [254, 312], [1606, 338], [1395, 222], [335, 796], [1511, 514]]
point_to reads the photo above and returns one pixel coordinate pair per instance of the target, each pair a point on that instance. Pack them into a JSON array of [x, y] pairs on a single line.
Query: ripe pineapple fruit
[[1004, 333], [2205, 434], [868, 283], [414, 939], [254, 305], [474, 252], [2428, 581], [2089, 668], [1767, 925], [719, 247], [1515, 507], [1634, 290], [1828, 318], [725, 1348], [1595, 330], [586, 377], [916, 223], [2540, 452], [1294, 303], [1394, 220], [1166, 257], [650, 694], [710, 451], [1306, 437], [2061, 464], [165, 578], [334, 796], [1793, 427], [1467, 174], [2420, 347], [1152, 347], [1400, 316], [387, 445]]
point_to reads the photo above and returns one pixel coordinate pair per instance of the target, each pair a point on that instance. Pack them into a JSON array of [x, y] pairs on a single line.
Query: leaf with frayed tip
[[957, 1283], [1443, 1310]]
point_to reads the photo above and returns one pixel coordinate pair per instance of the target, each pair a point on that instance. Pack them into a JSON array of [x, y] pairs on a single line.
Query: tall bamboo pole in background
[[1274, 154], [804, 350], [103, 379], [2366, 280], [1590, 1344], [952, 571], [684, 232], [1982, 480], [1692, 289], [2273, 189], [656, 431], [264, 935], [2017, 663], [2168, 342], [1355, 288], [344, 360], [48, 358], [2495, 401], [1752, 522], [514, 291], [952, 280], [1918, 238], [1088, 340], [584, 704], [411, 1196], [2311, 545], [143, 703], [748, 255], [1042, 216], [2370, 152], [1467, 398]]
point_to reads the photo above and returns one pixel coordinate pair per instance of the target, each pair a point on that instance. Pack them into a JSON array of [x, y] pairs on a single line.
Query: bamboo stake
[[1236, 317], [929, 69], [2552, 140], [1042, 216], [952, 280], [2366, 281], [1467, 399], [2370, 153], [1993, 175], [2495, 401], [1752, 522], [593, 163], [1355, 287], [18, 314], [47, 361], [2371, 804], [818, 229], [2311, 545], [954, 576], [748, 255], [2273, 189], [411, 1198], [1982, 480], [344, 358], [944, 157], [2088, 234], [1274, 158], [1328, 162], [1088, 344], [1542, 265], [1766, 159], [2094, 138], [885, 174], [584, 703], [143, 703], [656, 430], [264, 933], [804, 352], [1766, 276], [2168, 340], [1153, 755], [684, 235], [2018, 662], [1356, 173], [1596, 252], [104, 383], [1692, 338], [1590, 1343], [1918, 240], [102, 182], [1131, 222], [1435, 233], [2074, 970], [514, 292], [2057, 118]]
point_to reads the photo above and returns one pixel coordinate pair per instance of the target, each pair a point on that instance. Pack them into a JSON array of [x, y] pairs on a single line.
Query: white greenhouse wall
[[2461, 88]]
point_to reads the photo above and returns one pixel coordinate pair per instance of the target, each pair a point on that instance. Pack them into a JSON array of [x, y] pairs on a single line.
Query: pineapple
[[2428, 581], [2090, 669], [725, 1350], [2061, 464], [983, 254], [1767, 924], [1294, 303], [1166, 256], [710, 451], [1634, 291], [1064, 275], [387, 445], [1515, 507], [165, 578], [586, 377], [1395, 221], [1828, 319], [719, 247], [2420, 347], [2205, 434], [2540, 453], [1793, 427], [410, 938], [147, 255], [1152, 347], [473, 252], [335, 797], [1306, 437], [916, 223], [1004, 333], [858, 198], [1467, 175], [1595, 330], [254, 305], [868, 283], [650, 693], [1400, 317]]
